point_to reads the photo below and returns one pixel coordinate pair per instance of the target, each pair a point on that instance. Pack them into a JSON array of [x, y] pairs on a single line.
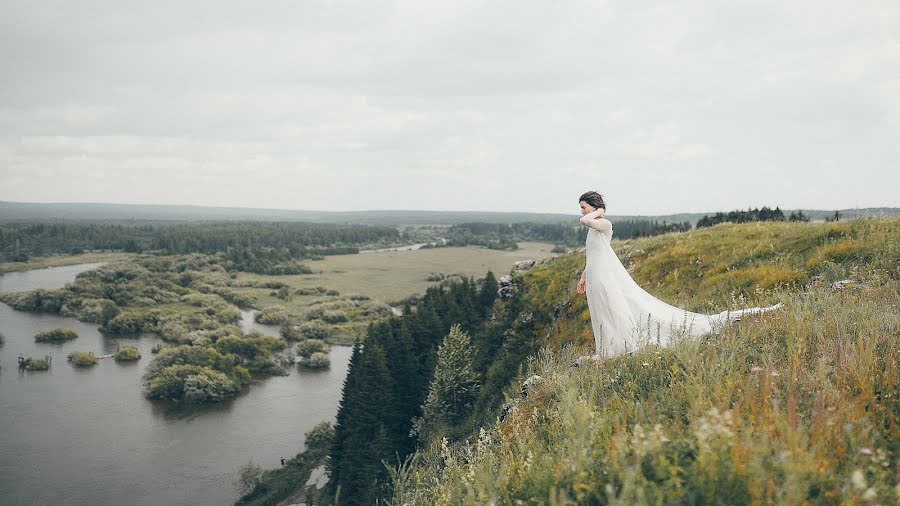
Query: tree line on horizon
[[253, 247], [756, 214], [505, 236]]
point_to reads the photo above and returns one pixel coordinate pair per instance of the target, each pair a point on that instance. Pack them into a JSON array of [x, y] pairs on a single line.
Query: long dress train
[[624, 316]]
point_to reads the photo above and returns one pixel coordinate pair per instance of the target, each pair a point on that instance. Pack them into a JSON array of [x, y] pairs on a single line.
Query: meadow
[[393, 275], [796, 406]]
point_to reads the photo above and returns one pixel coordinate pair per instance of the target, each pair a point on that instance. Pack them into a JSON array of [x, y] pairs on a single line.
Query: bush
[[249, 476], [36, 364], [334, 317], [127, 354], [316, 361], [290, 331], [307, 348], [319, 436], [82, 359], [55, 335], [314, 330], [127, 322], [218, 376], [272, 315], [2, 339]]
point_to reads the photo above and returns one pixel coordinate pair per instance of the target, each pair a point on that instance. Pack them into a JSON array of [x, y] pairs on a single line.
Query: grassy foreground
[[796, 406]]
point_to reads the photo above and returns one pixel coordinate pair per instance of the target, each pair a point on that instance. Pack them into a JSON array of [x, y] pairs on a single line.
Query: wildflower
[[858, 480], [755, 368], [774, 373], [866, 451], [645, 364]]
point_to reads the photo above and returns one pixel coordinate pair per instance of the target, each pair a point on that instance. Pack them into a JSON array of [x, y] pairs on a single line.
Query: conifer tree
[[453, 387], [335, 464], [487, 293], [366, 444]]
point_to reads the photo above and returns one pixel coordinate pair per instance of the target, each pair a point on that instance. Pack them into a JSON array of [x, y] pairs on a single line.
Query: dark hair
[[593, 199]]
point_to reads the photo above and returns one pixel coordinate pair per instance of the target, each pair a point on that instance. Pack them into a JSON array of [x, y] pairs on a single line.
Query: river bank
[[80, 436]]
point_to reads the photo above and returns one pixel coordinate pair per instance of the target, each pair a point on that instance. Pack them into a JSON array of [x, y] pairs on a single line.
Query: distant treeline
[[243, 244], [506, 235], [764, 214]]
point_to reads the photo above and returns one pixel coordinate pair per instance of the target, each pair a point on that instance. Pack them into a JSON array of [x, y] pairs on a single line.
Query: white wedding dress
[[624, 316]]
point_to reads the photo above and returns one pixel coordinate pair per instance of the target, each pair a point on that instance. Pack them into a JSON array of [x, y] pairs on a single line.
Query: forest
[[506, 235], [249, 246]]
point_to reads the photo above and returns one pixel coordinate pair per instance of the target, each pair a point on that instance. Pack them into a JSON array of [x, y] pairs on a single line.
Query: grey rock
[[507, 289], [524, 265], [528, 384]]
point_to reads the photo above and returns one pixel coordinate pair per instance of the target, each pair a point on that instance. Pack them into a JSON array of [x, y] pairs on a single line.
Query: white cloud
[[498, 105]]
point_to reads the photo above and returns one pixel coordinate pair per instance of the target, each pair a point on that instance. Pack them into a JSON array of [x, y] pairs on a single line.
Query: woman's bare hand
[[581, 286]]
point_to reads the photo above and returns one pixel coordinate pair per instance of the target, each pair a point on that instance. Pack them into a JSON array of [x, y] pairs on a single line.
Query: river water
[[89, 436]]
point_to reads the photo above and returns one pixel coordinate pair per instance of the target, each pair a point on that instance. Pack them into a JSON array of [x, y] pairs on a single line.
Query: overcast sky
[[662, 106]]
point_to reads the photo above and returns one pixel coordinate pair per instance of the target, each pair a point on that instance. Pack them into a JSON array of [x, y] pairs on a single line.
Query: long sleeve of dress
[[591, 220]]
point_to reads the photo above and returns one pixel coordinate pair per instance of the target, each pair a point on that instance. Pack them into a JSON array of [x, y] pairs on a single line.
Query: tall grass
[[795, 406]]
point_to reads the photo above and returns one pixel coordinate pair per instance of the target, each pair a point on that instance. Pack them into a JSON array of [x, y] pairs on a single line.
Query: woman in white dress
[[624, 316]]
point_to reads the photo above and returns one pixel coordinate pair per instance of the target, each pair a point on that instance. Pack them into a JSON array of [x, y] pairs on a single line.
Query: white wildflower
[[858, 480]]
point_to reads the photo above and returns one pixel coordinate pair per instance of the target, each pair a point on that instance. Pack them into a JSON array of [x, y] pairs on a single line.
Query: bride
[[624, 316]]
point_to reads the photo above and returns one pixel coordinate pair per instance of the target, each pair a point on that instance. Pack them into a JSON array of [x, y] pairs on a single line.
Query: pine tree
[[335, 464], [453, 387], [366, 443], [487, 294]]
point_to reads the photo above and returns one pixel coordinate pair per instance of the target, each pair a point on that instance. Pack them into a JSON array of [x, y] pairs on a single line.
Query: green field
[[393, 275], [62, 260]]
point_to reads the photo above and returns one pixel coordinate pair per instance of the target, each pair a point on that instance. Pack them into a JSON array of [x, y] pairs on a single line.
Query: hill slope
[[796, 405]]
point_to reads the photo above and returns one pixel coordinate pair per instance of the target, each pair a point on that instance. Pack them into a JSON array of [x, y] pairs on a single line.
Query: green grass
[[393, 275], [62, 260], [795, 406]]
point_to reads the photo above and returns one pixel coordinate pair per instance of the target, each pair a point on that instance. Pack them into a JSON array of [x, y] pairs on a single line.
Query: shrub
[[290, 331], [249, 476], [55, 335], [36, 364], [272, 315], [319, 436], [221, 376], [2, 339], [127, 354], [316, 361], [97, 310], [82, 359], [307, 348], [334, 316], [127, 322], [314, 330]]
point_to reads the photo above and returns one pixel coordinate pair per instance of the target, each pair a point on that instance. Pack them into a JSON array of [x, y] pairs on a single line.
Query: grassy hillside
[[795, 406]]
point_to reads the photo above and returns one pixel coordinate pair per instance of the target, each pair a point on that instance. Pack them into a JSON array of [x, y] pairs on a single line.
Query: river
[[89, 436]]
